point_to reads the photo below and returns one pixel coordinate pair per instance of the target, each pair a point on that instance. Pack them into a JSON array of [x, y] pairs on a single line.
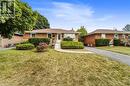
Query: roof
[[51, 31], [108, 31]]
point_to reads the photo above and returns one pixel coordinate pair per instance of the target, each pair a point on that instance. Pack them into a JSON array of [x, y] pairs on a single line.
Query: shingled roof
[[108, 31], [51, 31]]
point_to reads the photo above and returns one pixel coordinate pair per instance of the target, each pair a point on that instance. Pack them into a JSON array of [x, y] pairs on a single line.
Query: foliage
[[42, 47], [68, 39], [25, 19], [83, 31], [36, 41], [24, 46], [102, 42], [25, 42], [116, 42], [127, 28], [71, 45], [41, 22]]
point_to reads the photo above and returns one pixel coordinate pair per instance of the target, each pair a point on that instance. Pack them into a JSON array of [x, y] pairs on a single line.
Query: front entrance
[[59, 37]]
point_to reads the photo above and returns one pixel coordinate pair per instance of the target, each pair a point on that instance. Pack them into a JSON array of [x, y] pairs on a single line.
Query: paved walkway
[[58, 48], [1, 49], [116, 56]]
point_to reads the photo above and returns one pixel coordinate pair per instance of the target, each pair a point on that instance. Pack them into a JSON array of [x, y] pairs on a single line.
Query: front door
[[58, 36]]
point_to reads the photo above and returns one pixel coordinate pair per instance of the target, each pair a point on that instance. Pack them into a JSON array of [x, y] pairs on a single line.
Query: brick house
[[53, 34], [5, 42], [89, 40]]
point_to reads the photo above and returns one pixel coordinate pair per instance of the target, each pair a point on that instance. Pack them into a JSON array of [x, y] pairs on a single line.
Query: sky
[[93, 14]]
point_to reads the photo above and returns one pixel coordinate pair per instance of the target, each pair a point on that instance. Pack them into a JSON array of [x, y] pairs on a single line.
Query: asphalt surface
[[115, 56]]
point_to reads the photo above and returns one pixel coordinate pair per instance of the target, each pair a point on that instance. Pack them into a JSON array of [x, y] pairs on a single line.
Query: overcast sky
[[93, 14]]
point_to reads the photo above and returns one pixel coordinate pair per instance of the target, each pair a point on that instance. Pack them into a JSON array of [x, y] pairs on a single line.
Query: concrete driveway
[[1, 49], [116, 56]]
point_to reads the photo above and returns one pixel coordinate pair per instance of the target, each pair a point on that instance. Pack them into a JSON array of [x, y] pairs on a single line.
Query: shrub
[[25, 42], [24, 46], [68, 39], [71, 45], [102, 42], [36, 41], [41, 47], [116, 42]]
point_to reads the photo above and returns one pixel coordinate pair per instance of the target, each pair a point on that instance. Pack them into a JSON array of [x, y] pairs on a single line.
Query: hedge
[[71, 45], [116, 42], [68, 39], [102, 42], [36, 41], [24, 46]]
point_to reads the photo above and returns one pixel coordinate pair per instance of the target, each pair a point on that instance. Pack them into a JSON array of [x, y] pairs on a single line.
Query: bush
[[36, 41], [41, 47], [25, 42], [102, 42], [71, 45], [116, 42], [24, 46], [68, 39]]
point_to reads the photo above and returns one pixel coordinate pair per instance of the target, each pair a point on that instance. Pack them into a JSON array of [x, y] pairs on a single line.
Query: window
[[128, 37], [53, 35], [123, 36], [49, 35], [103, 36], [32, 35]]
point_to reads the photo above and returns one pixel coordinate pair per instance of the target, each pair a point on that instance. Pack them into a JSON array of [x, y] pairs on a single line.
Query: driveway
[[1, 49], [116, 56]]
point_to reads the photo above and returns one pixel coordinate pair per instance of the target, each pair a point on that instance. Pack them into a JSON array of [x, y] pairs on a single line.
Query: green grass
[[28, 68], [118, 49]]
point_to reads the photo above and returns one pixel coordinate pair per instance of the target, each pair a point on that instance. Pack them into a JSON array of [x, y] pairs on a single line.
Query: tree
[[25, 19], [127, 28], [42, 22], [83, 32]]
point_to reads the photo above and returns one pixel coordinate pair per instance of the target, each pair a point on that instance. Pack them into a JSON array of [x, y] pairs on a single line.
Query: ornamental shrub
[[42, 47], [28, 46], [68, 39], [102, 42], [36, 41], [71, 45], [117, 42]]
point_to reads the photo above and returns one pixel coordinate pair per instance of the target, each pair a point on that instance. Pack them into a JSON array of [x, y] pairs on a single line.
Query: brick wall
[[90, 39], [4, 42], [38, 35]]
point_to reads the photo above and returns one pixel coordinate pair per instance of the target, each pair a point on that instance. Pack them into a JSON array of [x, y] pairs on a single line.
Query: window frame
[[49, 35]]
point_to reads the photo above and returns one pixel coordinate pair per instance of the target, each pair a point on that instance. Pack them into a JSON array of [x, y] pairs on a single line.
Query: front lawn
[[28, 68], [118, 49]]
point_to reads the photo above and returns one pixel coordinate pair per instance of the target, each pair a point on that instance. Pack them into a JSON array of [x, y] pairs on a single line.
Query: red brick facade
[[5, 42], [89, 40]]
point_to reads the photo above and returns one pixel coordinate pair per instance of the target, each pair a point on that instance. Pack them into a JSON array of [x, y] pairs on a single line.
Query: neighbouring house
[[89, 40], [5, 42], [54, 34]]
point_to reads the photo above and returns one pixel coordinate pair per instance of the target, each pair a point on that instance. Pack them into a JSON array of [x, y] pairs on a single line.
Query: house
[[53, 34], [5, 42], [89, 40]]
